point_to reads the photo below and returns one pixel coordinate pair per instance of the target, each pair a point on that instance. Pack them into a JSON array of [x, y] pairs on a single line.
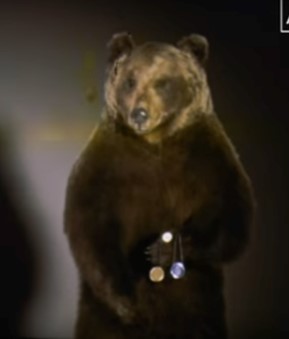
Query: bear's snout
[[139, 116]]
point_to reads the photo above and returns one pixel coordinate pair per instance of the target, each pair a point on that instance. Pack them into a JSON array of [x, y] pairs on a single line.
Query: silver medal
[[178, 269]]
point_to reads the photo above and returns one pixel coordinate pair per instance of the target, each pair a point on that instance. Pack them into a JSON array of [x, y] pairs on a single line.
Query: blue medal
[[178, 269]]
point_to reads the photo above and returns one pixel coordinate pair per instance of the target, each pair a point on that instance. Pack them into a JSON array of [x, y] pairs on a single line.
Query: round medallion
[[167, 237], [177, 270], [157, 274]]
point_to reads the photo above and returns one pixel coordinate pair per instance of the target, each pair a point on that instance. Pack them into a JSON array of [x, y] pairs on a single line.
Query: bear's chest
[[155, 193]]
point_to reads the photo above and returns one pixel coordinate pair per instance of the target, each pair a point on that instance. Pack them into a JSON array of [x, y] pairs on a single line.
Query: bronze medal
[[157, 274]]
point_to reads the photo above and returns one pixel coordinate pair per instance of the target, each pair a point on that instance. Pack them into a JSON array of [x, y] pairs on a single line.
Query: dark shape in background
[[43, 45], [17, 257]]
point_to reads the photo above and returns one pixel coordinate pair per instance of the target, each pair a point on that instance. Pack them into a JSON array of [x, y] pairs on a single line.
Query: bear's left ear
[[197, 45], [119, 44]]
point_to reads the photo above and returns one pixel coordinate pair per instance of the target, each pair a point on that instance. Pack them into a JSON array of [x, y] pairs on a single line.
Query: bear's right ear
[[196, 45], [120, 44]]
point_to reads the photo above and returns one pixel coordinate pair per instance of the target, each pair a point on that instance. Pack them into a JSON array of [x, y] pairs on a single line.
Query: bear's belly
[[149, 204]]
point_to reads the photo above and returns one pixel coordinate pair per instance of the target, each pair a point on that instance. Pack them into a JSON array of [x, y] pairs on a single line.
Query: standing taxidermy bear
[[159, 161]]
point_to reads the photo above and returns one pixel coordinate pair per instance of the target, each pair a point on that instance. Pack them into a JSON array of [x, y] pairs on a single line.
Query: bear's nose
[[139, 115]]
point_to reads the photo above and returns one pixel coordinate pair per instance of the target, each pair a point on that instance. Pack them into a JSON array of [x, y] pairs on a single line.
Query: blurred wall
[[52, 66]]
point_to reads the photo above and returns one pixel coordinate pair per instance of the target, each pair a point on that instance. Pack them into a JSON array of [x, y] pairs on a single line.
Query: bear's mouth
[[151, 125], [140, 128]]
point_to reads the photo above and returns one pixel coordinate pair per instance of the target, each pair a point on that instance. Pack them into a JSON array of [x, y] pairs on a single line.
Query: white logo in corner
[[284, 16]]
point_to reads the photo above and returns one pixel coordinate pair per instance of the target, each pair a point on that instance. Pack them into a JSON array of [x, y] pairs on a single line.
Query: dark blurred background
[[52, 68]]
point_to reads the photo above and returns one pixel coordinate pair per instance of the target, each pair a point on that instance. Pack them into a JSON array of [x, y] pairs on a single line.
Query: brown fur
[[180, 172], [160, 61]]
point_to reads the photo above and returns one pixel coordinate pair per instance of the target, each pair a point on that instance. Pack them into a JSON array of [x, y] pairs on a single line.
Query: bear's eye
[[163, 85], [129, 84]]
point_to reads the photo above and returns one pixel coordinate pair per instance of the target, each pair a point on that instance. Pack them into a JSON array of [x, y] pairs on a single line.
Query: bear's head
[[155, 89]]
